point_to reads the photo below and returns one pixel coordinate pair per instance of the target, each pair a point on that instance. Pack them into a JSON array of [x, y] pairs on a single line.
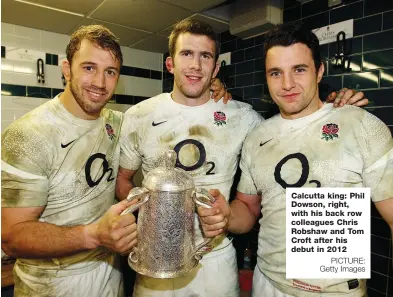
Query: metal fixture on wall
[[341, 58], [40, 71]]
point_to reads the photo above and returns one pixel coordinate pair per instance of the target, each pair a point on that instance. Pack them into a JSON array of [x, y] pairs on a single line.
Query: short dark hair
[[289, 34], [194, 27], [97, 34]]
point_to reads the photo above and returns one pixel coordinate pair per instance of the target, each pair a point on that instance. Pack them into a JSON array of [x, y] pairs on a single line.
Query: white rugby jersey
[[51, 158], [343, 147], [207, 138]]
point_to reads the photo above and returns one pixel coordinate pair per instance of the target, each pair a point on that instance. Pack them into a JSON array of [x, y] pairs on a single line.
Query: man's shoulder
[[350, 110], [146, 106], [35, 121], [265, 128], [356, 115], [244, 110], [30, 138], [235, 104]]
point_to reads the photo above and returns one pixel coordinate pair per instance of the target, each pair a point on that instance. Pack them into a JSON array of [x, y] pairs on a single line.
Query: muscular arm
[[245, 211], [22, 235], [124, 183]]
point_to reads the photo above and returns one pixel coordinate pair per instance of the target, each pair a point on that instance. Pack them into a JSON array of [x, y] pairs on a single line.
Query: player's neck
[[311, 108], [70, 104], [180, 98]]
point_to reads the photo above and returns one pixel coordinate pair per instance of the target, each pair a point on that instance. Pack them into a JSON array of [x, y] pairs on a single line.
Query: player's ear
[[66, 69], [169, 63], [216, 69], [321, 70]]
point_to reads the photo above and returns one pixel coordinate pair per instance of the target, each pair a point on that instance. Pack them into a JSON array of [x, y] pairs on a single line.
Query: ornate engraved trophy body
[[166, 203]]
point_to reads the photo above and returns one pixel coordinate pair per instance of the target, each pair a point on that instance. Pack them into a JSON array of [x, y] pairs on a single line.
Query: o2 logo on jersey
[[303, 177], [105, 168], [202, 156]]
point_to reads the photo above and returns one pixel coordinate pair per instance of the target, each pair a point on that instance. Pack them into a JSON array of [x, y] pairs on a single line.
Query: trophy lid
[[168, 178]]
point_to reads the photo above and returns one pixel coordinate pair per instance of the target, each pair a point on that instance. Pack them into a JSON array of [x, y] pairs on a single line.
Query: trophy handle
[[141, 194], [137, 193], [201, 200], [134, 255]]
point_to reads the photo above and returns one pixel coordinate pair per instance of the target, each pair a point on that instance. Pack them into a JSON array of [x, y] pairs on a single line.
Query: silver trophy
[[167, 202]]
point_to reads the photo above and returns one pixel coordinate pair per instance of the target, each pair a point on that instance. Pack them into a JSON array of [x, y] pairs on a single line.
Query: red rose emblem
[[219, 118], [110, 131], [329, 131]]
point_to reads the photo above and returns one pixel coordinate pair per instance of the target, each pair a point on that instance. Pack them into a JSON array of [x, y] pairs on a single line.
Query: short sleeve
[[377, 150], [26, 157], [246, 184], [130, 157]]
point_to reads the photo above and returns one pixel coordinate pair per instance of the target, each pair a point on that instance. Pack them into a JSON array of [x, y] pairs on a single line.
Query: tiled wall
[[372, 72], [140, 76]]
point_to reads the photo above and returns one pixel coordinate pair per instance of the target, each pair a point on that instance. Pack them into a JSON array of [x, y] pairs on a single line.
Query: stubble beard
[[90, 108], [194, 94]]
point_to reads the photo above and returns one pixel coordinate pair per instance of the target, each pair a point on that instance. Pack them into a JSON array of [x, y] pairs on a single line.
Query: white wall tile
[[143, 86], [53, 77], [21, 42], [138, 86], [141, 59], [15, 102], [119, 107], [30, 38], [10, 77], [17, 77], [19, 66], [34, 34], [6, 102], [7, 115], [121, 85], [4, 125], [7, 28], [19, 36], [54, 43]]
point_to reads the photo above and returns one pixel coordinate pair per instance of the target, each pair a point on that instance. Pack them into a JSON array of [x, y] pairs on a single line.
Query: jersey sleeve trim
[[15, 171], [22, 189]]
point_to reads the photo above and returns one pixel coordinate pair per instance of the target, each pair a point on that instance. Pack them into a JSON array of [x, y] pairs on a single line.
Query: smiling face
[[293, 80], [92, 79], [193, 66]]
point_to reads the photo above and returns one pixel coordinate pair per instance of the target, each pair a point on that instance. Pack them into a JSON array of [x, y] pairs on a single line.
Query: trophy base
[[162, 273]]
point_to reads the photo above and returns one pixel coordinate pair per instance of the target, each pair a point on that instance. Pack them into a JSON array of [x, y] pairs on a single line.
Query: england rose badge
[[330, 131], [220, 118]]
